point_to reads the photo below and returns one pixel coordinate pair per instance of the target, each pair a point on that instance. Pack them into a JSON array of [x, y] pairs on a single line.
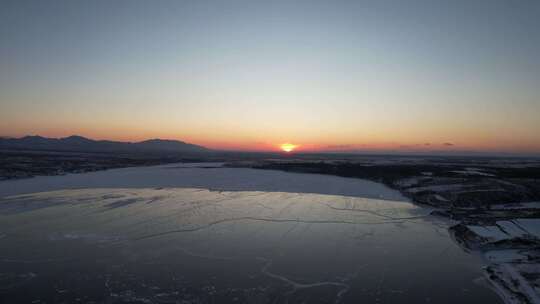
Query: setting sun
[[288, 147]]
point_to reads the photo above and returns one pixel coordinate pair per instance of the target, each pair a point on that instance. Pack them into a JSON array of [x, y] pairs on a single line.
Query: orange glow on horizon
[[348, 143]]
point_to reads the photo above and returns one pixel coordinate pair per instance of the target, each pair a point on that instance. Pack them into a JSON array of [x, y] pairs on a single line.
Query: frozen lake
[[146, 244], [206, 176]]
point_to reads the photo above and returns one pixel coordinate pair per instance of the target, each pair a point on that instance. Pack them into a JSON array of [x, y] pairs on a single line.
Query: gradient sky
[[326, 75]]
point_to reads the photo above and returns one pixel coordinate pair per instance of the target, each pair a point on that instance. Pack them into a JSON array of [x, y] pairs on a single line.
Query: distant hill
[[82, 144]]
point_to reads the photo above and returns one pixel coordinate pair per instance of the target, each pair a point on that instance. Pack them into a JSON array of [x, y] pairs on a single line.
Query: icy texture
[[207, 176], [198, 246]]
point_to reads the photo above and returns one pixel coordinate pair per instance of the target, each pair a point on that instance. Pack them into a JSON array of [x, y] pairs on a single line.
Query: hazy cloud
[[341, 147]]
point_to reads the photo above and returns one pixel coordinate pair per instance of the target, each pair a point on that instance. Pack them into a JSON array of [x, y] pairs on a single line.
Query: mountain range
[[77, 143]]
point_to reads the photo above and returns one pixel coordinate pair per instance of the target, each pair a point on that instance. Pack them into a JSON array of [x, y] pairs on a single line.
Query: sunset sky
[[251, 75]]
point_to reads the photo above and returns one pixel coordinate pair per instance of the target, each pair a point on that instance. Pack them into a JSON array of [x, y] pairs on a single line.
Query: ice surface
[[207, 176], [193, 245]]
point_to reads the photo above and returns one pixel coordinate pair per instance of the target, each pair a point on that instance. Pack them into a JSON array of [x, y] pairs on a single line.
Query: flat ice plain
[[146, 243], [207, 176]]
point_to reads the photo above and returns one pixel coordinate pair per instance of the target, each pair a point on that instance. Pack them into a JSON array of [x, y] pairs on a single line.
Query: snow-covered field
[[206, 176]]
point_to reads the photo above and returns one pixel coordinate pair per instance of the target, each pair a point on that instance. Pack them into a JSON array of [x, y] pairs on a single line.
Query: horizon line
[[367, 151]]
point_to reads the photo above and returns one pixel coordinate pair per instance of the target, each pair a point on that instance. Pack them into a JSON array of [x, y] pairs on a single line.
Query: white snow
[[531, 225], [492, 233], [407, 182], [441, 198], [473, 171], [505, 230]]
